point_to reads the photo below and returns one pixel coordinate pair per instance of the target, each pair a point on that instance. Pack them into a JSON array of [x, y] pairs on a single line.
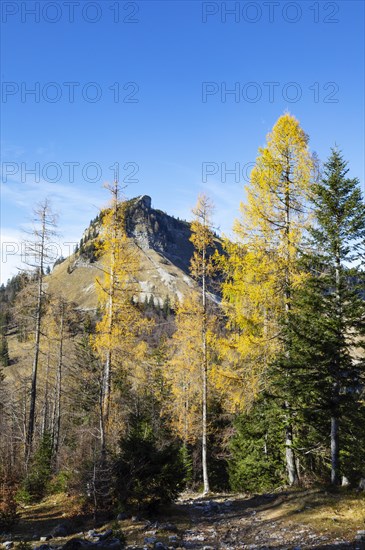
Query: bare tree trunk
[[57, 423], [106, 379], [201, 268], [335, 421], [101, 417], [335, 451], [204, 426], [45, 420], [24, 415], [107, 374], [12, 439], [46, 221], [186, 410], [205, 377], [290, 457], [105, 398], [291, 467], [33, 392]]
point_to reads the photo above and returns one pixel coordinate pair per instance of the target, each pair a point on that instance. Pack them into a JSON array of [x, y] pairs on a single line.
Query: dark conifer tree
[[327, 364]]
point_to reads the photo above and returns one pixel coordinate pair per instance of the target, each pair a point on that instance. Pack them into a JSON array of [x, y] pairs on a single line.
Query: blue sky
[[143, 83]]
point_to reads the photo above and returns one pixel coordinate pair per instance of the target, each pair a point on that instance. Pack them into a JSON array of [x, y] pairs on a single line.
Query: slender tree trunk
[[57, 424], [106, 380], [204, 432], [291, 467], [205, 380], [101, 418], [202, 238], [289, 451], [290, 457], [335, 421], [335, 450], [186, 410], [24, 415], [13, 432], [45, 420], [104, 401], [94, 493], [33, 392]]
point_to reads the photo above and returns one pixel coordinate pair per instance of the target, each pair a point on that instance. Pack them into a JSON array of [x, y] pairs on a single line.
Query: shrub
[[187, 462], [148, 472], [118, 533], [256, 462], [23, 496], [9, 515], [60, 482], [36, 483]]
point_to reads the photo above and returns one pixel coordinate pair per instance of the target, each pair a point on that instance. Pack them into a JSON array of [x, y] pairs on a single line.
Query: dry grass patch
[[342, 513]]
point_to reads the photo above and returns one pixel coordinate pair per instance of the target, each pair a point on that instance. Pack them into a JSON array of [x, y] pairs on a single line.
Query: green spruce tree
[[328, 324]]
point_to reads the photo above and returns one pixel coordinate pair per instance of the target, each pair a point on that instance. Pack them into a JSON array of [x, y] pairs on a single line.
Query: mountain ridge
[[165, 251]]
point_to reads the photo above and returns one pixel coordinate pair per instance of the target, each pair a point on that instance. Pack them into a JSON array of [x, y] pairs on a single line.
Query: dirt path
[[262, 522], [292, 520]]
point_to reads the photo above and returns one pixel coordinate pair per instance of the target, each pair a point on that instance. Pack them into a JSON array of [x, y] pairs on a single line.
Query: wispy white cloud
[[74, 205], [17, 253], [11, 151]]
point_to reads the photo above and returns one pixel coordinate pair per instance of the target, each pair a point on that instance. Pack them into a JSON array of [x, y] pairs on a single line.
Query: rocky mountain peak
[[144, 201], [154, 229]]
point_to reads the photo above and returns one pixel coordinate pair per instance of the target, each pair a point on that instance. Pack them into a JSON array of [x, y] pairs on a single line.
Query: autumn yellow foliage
[[118, 340], [261, 266]]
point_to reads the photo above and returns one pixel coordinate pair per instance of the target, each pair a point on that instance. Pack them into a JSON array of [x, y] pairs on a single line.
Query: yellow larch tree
[[262, 265], [189, 368], [118, 340], [201, 268], [184, 370], [193, 343]]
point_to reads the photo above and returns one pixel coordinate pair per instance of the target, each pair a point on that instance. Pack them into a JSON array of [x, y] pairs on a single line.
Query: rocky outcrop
[[154, 229], [166, 250]]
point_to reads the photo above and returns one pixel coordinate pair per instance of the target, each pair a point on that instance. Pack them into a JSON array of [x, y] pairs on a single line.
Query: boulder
[[103, 536], [362, 484], [345, 482]]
